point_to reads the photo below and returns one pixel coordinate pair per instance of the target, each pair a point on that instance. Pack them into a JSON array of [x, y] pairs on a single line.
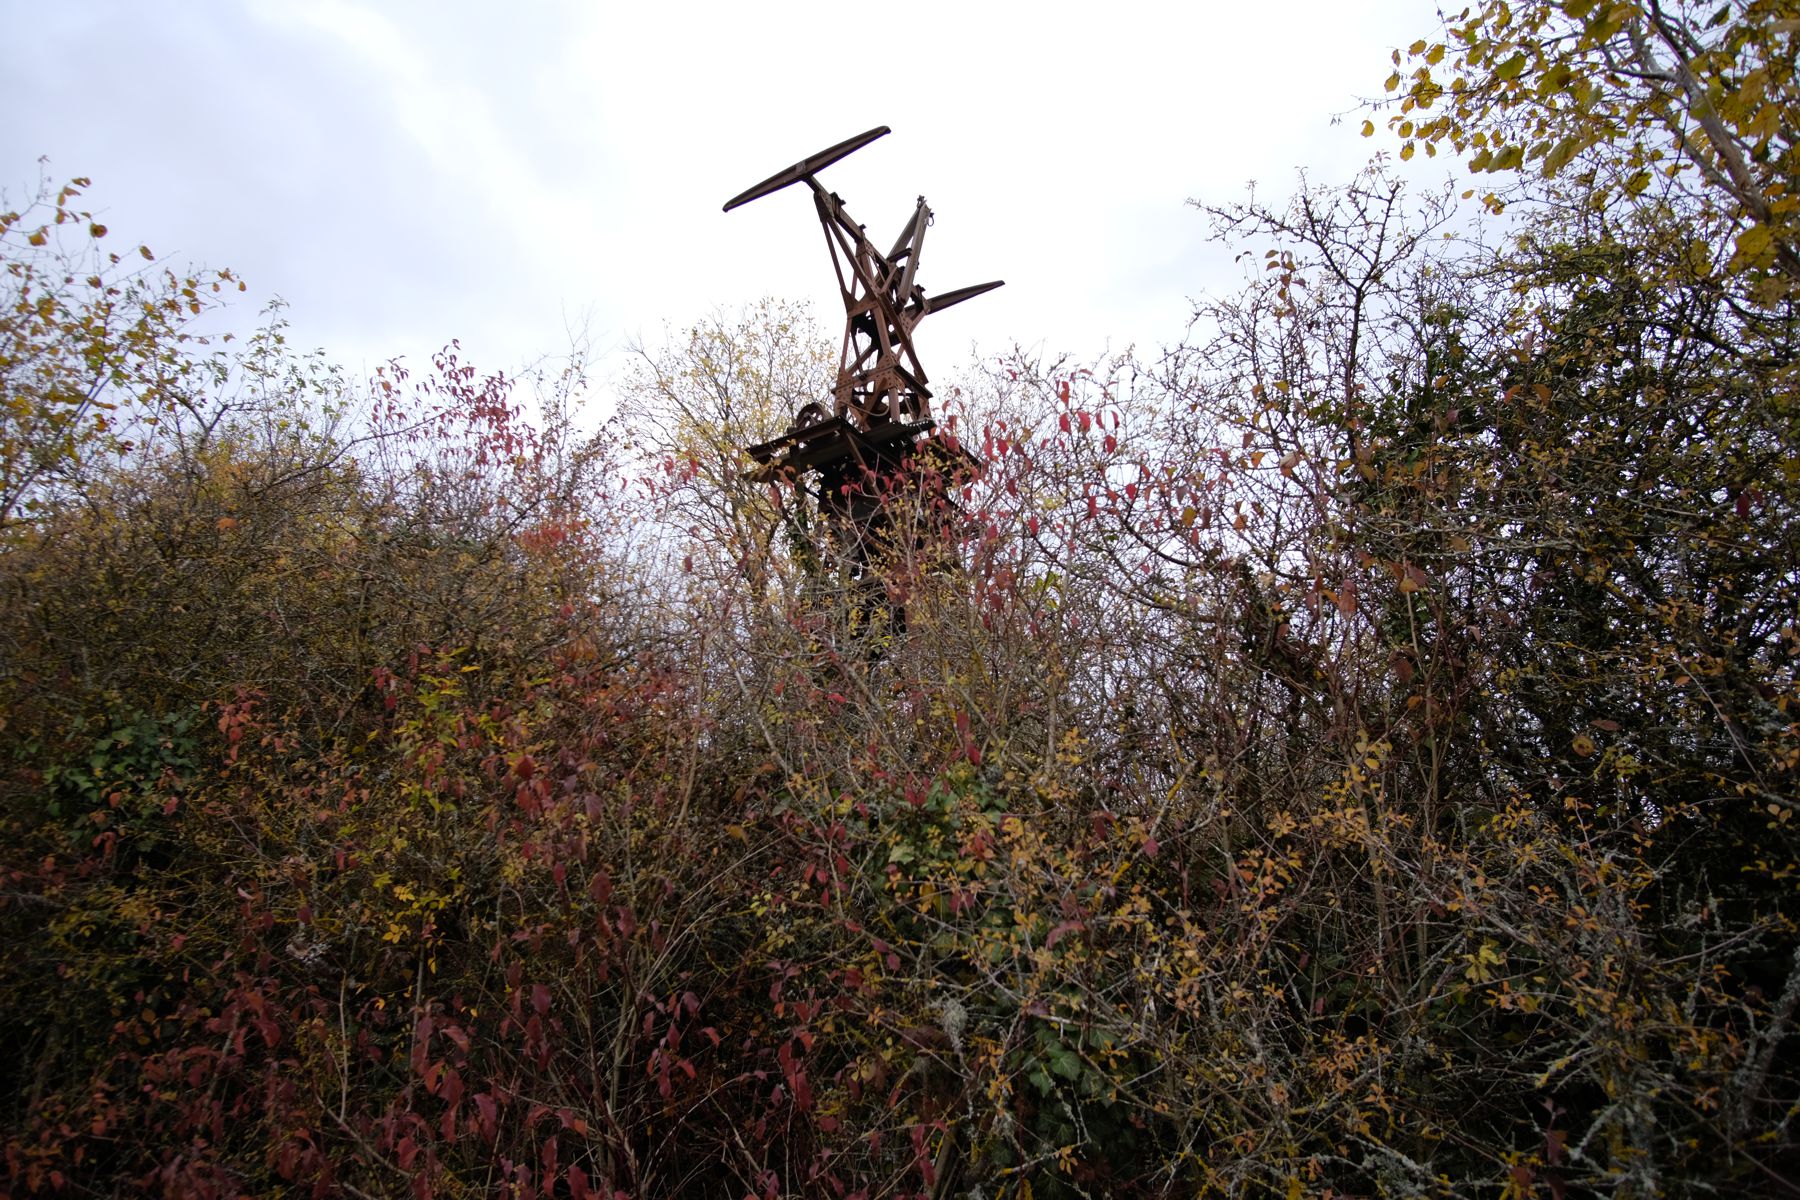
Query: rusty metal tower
[[873, 439]]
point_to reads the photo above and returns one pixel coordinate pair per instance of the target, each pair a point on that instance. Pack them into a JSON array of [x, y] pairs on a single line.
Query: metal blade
[[915, 246], [805, 167], [908, 239], [943, 300]]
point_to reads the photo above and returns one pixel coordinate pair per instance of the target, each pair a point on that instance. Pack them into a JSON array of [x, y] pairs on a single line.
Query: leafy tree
[[83, 333], [1701, 96], [693, 405], [1556, 545]]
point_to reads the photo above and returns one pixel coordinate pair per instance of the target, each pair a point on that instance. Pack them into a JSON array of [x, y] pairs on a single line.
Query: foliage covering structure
[[1354, 754]]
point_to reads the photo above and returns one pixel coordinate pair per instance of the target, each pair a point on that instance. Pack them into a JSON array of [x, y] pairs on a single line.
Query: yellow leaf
[[1368, 129], [1559, 156], [1754, 246]]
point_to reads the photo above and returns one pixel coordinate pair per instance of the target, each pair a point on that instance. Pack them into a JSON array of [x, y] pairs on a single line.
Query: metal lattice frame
[[881, 403]]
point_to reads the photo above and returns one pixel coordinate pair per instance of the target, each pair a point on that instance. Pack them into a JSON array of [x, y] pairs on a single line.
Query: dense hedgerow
[[1352, 755]]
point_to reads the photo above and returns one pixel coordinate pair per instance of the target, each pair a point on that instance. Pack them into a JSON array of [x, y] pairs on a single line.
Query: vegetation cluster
[[1353, 753]]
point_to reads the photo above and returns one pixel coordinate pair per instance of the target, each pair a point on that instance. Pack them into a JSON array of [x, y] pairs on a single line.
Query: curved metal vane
[[806, 166]]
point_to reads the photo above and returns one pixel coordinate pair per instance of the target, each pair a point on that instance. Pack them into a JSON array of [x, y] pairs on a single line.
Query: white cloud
[[406, 172]]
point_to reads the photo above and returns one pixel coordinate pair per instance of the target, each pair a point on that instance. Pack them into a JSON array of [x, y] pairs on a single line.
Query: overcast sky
[[404, 173]]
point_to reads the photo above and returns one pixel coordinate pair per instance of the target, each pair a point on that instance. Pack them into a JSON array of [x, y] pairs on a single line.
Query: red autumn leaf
[[488, 1112]]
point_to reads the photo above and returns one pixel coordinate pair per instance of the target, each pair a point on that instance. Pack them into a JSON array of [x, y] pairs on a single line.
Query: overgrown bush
[[1352, 755]]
